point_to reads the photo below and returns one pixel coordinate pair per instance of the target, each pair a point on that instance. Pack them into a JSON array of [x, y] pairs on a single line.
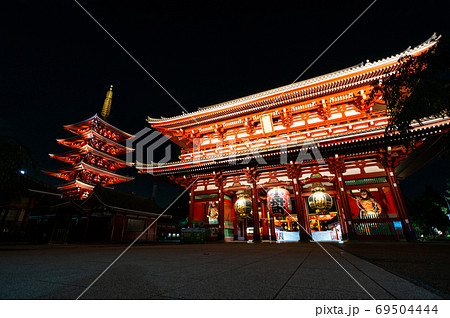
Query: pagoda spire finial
[[107, 104]]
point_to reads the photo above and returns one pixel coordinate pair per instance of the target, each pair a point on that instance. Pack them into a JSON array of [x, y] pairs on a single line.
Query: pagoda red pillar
[[265, 223]]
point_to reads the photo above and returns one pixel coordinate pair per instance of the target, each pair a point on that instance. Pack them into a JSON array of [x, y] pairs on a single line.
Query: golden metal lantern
[[320, 201], [243, 206]]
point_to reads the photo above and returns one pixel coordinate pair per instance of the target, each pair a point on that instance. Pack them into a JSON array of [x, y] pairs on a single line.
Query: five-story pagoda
[[93, 159]]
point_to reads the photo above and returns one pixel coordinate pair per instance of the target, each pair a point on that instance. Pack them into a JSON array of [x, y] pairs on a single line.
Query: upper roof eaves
[[353, 69]]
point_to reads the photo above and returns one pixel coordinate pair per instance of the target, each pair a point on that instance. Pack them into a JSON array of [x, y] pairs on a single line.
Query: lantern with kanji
[[243, 206], [279, 202], [320, 201]]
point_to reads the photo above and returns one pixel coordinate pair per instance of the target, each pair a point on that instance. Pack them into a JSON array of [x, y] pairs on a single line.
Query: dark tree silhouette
[[14, 156], [427, 211], [420, 89]]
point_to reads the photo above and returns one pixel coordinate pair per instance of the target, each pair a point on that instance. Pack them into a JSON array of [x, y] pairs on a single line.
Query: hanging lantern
[[279, 202], [243, 206], [320, 200]]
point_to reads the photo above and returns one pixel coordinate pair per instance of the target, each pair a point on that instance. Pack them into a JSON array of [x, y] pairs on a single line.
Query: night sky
[[57, 63]]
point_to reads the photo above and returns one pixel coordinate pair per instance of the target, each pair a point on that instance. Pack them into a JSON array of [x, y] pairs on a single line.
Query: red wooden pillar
[[265, 223], [221, 220], [302, 216], [273, 236], [294, 173], [235, 229], [351, 233], [191, 205], [244, 229], [341, 215], [255, 208], [337, 165], [399, 203], [384, 207], [235, 221]]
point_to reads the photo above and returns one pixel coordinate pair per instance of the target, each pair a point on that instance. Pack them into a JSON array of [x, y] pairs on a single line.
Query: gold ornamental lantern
[[243, 206], [320, 201]]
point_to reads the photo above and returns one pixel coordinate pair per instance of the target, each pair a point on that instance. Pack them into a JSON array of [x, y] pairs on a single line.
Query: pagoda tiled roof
[[87, 122], [85, 166], [88, 149], [334, 82], [75, 184], [85, 136]]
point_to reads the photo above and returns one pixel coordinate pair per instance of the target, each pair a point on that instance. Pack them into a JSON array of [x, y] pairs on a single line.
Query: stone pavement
[[423, 263], [204, 271]]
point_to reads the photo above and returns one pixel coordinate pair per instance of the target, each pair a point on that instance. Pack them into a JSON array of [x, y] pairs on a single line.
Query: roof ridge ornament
[[106, 110]]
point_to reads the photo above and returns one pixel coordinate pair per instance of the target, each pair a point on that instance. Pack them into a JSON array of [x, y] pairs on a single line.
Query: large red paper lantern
[[279, 202]]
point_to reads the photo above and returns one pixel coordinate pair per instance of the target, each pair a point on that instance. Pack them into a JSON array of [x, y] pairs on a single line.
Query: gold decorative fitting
[[106, 110]]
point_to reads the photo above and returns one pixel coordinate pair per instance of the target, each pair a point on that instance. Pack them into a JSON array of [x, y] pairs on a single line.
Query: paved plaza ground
[[425, 264], [227, 271]]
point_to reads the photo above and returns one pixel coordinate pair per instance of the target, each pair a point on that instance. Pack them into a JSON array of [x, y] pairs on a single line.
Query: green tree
[[427, 212]]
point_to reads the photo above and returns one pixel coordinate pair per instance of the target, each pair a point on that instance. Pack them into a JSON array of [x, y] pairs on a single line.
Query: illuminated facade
[[323, 134], [93, 160]]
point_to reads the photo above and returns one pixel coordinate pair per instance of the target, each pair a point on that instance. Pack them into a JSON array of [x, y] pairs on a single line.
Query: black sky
[[56, 63]]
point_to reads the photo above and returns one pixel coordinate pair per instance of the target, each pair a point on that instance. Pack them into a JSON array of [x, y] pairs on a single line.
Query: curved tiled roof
[[84, 136], [124, 134], [89, 149], [86, 166], [311, 88]]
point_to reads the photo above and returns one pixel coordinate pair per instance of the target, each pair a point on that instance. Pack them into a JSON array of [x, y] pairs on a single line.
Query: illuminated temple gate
[[323, 131]]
